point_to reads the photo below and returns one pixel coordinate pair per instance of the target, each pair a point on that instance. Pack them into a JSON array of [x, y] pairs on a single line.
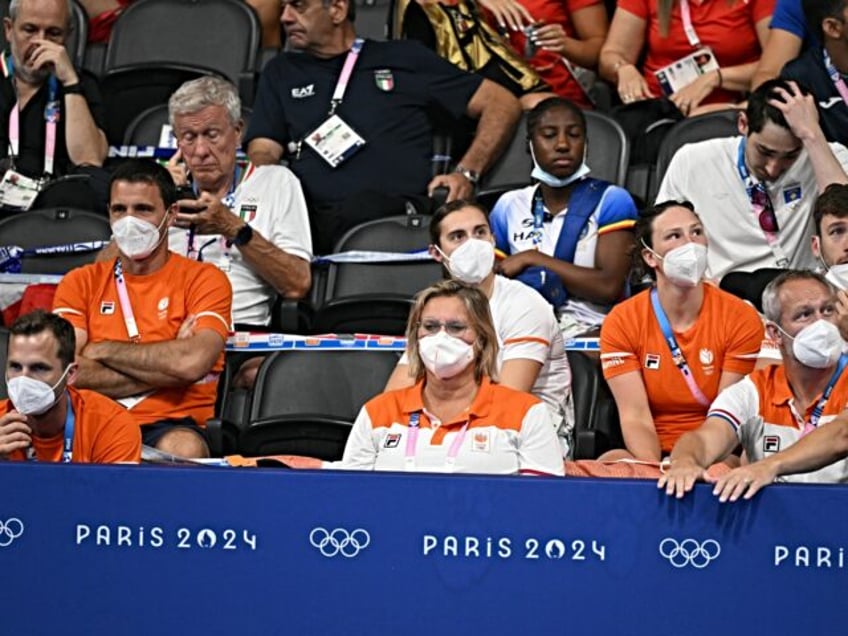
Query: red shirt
[[726, 26]]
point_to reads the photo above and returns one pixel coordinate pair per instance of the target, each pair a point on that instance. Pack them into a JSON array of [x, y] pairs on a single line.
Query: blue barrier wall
[[150, 550]]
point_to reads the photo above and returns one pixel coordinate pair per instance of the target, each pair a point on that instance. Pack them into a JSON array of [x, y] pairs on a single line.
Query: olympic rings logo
[[10, 530], [690, 552], [339, 541]]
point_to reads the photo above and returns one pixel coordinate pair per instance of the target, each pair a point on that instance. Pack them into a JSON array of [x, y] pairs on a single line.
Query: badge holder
[[686, 70], [18, 191], [334, 141]]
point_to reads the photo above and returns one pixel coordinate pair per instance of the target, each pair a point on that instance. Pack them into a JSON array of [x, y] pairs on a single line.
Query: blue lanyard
[[68, 446], [540, 216], [747, 180], [229, 200], [676, 353], [817, 411]]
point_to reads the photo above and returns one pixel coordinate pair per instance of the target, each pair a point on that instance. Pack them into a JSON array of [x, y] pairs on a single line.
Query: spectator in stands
[[776, 406], [455, 418], [250, 222], [51, 114], [668, 351], [756, 191], [788, 32], [46, 419], [363, 154], [531, 355], [830, 242], [569, 235], [822, 67], [658, 29], [150, 325]]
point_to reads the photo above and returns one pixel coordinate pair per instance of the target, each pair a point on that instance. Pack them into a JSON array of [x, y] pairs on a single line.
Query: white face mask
[[547, 178], [684, 265], [472, 261], [818, 345], [32, 397], [445, 356], [837, 275], [136, 238]]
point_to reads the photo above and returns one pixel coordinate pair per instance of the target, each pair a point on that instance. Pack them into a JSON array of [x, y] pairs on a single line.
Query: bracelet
[[720, 78], [72, 89]]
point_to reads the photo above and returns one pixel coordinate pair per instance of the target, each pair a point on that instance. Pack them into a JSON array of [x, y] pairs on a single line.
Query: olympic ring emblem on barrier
[[10, 530], [339, 541], [690, 552]]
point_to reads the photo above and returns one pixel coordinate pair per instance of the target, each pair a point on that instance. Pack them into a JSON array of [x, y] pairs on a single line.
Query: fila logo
[[107, 308], [771, 444], [303, 91], [652, 361]]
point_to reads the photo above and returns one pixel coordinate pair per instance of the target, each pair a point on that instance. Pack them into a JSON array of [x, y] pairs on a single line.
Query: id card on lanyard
[[334, 140], [412, 444], [687, 69], [676, 352], [759, 198], [68, 437]]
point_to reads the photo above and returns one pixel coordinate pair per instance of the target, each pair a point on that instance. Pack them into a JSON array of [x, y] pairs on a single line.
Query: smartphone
[[187, 192]]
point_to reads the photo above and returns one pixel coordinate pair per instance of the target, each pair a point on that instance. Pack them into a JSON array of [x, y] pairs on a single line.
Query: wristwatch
[[243, 236], [73, 89], [472, 175]]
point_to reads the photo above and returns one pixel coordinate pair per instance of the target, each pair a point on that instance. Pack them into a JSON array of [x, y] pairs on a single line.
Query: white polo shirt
[[706, 174]]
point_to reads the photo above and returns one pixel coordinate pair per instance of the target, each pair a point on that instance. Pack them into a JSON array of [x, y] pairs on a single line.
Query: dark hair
[[833, 201], [39, 320], [759, 111], [815, 12], [551, 103], [448, 208], [146, 171], [644, 228]]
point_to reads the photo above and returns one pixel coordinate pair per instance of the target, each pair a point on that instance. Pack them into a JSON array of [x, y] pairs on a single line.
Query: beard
[[25, 73]]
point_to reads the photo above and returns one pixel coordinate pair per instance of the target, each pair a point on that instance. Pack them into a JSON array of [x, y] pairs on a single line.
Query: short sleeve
[[617, 211], [789, 16], [91, 92], [539, 450], [673, 185], [762, 9], [360, 452], [528, 334], [210, 300], [618, 352], [119, 440], [71, 299], [268, 119], [737, 404], [639, 8], [746, 333], [499, 223], [291, 233], [446, 85]]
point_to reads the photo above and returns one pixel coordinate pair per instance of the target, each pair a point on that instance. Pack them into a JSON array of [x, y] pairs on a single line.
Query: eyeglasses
[[452, 327], [767, 219]]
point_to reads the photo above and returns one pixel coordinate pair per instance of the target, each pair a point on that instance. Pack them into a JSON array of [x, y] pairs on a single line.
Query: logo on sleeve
[[771, 444], [652, 361], [302, 92], [384, 80], [107, 308]]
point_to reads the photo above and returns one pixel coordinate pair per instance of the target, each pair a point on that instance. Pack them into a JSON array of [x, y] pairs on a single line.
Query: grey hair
[[203, 92], [14, 6], [771, 300]]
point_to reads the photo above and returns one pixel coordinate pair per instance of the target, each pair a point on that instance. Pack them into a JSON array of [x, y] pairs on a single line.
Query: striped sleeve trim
[[746, 356], [727, 416], [626, 224], [66, 310], [527, 339], [227, 325], [617, 354], [537, 473]]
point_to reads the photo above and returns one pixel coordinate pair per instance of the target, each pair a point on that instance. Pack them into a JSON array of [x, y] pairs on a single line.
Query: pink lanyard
[[688, 27], [126, 306], [51, 117], [344, 78], [412, 443], [835, 77]]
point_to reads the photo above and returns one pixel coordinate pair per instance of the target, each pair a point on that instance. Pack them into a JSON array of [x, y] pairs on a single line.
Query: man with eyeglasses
[[772, 409], [755, 192], [250, 222]]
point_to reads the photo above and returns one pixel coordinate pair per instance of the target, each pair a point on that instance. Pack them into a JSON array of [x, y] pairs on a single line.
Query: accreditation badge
[[686, 70], [334, 141], [18, 191]]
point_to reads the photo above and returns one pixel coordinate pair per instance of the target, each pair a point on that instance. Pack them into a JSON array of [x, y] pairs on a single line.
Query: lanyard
[[412, 443], [126, 306], [68, 446], [229, 200], [676, 353], [344, 78], [815, 416], [51, 117], [540, 216], [688, 27], [835, 77], [753, 189]]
